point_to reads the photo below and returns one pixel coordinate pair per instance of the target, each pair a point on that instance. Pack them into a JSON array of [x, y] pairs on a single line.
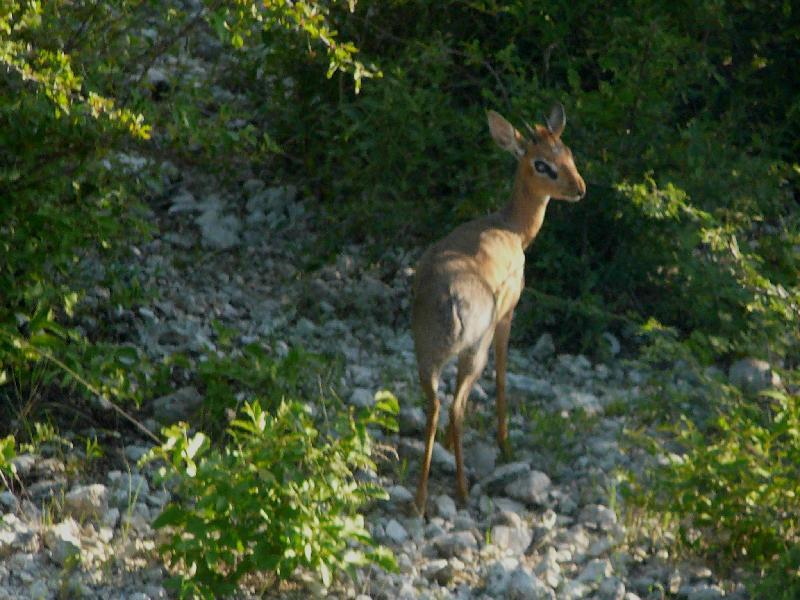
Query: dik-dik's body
[[467, 284]]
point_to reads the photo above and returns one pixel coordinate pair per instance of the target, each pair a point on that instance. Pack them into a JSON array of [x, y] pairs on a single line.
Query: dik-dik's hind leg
[[429, 383], [470, 365], [501, 334]]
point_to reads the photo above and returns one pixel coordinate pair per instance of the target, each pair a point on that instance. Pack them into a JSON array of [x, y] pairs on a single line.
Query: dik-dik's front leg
[[502, 332]]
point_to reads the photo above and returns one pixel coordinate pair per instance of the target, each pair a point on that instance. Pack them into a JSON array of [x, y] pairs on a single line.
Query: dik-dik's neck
[[525, 212]]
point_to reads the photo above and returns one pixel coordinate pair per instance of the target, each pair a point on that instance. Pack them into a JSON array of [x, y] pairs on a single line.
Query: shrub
[[231, 374], [781, 579], [731, 483], [281, 494], [660, 105], [8, 450], [74, 97]]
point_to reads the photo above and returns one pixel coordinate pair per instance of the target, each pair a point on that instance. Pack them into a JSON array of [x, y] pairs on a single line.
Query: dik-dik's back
[[467, 284], [462, 283]]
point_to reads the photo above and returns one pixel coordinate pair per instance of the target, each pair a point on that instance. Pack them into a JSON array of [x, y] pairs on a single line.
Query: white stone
[[481, 457], [39, 590], [578, 540], [549, 570], [613, 343], [23, 464], [134, 452], [529, 385], [178, 405], [501, 503], [361, 375], [87, 501], [544, 347], [548, 520], [573, 590], [396, 532], [63, 540], [575, 399], [463, 521], [596, 571], [503, 475], [600, 547], [531, 488], [445, 507], [156, 77], [16, 535], [405, 564], [9, 501], [362, 398], [105, 534], [703, 591], [183, 201], [133, 484], [597, 515], [110, 518], [252, 186], [411, 420], [524, 586], [611, 588], [138, 523], [497, 575], [400, 495], [443, 459], [514, 540], [455, 544], [220, 232], [438, 570]]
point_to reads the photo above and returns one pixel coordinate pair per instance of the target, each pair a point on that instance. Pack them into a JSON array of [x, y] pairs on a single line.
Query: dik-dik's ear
[[505, 135], [556, 120]]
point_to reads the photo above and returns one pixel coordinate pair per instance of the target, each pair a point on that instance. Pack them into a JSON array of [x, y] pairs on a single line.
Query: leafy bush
[[232, 374], [781, 579], [661, 113], [77, 97], [731, 484], [280, 495], [8, 450]]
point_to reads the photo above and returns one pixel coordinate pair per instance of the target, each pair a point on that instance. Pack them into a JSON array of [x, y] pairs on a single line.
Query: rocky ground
[[550, 524]]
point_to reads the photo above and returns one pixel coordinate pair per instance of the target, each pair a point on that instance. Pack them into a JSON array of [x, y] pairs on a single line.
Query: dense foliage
[[691, 215], [279, 496], [733, 493], [684, 118], [78, 102], [75, 95]]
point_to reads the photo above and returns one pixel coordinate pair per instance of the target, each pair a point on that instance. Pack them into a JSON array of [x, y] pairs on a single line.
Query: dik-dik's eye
[[545, 169]]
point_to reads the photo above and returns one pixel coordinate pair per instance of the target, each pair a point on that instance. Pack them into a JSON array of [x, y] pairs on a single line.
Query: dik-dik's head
[[545, 163]]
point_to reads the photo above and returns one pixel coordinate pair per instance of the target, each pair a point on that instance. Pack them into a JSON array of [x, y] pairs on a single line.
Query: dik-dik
[[468, 283]]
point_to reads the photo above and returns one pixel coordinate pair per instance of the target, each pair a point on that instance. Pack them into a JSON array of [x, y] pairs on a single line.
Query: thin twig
[[84, 382]]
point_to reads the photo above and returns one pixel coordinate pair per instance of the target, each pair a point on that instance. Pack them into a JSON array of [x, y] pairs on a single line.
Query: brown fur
[[468, 283]]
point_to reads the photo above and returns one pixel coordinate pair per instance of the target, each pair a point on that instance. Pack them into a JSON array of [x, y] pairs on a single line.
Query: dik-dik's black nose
[[581, 187]]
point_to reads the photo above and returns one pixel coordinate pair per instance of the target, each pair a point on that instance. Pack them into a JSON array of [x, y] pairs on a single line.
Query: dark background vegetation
[[684, 118], [693, 104]]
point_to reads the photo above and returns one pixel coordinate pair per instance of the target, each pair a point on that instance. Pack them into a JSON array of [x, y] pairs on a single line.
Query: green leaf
[[173, 515]]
